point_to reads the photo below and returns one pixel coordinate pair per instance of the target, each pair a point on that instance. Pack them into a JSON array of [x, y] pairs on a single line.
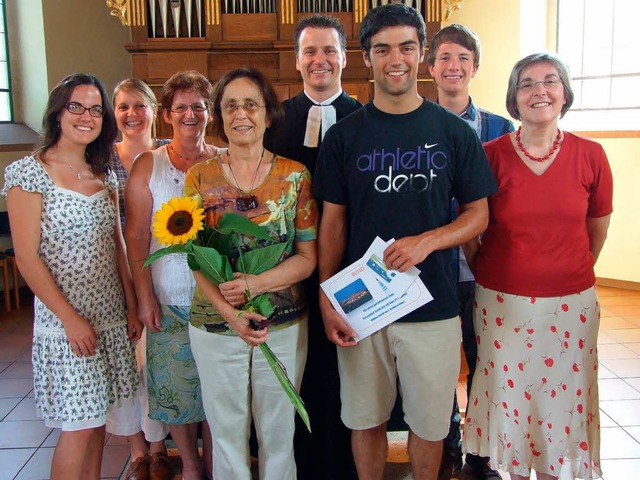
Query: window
[[597, 39], [6, 113]]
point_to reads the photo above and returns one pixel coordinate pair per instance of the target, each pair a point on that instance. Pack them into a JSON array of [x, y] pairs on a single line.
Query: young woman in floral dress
[[62, 203]]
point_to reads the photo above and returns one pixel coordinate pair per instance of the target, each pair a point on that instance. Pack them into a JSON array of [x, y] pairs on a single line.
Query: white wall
[[29, 77]]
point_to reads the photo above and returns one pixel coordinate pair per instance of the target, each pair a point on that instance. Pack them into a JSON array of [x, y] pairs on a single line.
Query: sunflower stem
[[281, 374]]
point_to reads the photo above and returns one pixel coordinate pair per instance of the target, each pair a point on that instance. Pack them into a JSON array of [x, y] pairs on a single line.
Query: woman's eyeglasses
[[76, 109], [196, 107], [527, 86], [249, 107]]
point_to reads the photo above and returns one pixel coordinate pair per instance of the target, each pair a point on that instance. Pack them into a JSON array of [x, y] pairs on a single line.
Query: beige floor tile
[[604, 339], [616, 351], [17, 370], [634, 432], [117, 440], [15, 387], [25, 434], [617, 300], [634, 320], [614, 292], [616, 389], [25, 357], [10, 353], [634, 347], [628, 335], [606, 421], [52, 439], [38, 466], [25, 410], [16, 338], [615, 323], [12, 460], [625, 310], [606, 313], [604, 372], [625, 413], [114, 458], [626, 469], [6, 405], [622, 367], [634, 382], [616, 443]]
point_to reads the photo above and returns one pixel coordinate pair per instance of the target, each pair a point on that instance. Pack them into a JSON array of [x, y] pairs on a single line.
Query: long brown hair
[[98, 153]]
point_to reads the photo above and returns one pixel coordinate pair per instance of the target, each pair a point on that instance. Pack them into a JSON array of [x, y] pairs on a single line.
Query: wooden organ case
[[215, 36]]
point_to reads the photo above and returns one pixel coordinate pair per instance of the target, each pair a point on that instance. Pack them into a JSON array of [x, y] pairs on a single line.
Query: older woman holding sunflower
[[275, 193], [165, 291]]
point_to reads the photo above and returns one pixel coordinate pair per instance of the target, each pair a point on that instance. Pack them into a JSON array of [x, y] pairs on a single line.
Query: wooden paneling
[[161, 65], [264, 41], [249, 26]]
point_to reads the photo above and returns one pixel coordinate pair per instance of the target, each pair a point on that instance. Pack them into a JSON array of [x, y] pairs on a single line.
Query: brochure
[[371, 296]]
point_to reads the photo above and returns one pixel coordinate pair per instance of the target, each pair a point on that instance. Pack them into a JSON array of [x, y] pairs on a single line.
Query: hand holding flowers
[[179, 223]]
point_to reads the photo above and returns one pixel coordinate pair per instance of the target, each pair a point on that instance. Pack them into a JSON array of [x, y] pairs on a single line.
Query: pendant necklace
[[246, 201], [198, 157], [554, 147], [76, 171]]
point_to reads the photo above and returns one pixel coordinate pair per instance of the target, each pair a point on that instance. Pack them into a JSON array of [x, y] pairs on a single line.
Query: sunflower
[[178, 221]]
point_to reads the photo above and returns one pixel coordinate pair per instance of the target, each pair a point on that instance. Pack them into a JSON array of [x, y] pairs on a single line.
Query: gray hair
[[514, 79]]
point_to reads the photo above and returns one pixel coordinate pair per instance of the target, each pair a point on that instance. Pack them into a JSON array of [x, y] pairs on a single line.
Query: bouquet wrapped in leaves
[[179, 224]]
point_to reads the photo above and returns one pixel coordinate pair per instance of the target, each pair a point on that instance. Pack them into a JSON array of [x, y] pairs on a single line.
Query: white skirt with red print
[[534, 401]]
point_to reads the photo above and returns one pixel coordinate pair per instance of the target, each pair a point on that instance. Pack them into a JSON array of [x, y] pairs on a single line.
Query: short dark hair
[[186, 81], [391, 15], [319, 21], [514, 79], [274, 109], [98, 153], [458, 34]]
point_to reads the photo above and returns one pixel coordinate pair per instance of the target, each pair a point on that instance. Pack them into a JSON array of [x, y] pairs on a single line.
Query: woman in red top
[[534, 401]]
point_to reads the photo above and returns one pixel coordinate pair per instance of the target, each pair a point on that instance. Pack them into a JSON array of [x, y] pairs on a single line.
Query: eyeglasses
[[196, 107], [77, 109], [527, 86], [249, 107]]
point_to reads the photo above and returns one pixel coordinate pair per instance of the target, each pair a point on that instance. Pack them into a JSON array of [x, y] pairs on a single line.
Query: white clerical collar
[[321, 116], [328, 101]]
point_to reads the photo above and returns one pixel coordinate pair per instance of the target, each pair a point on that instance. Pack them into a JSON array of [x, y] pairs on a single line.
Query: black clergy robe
[[326, 453], [288, 140]]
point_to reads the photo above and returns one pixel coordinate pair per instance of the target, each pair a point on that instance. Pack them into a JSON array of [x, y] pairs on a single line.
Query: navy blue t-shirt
[[397, 174]]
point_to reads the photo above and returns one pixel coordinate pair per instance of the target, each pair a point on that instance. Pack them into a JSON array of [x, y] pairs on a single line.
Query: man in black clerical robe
[[320, 47]]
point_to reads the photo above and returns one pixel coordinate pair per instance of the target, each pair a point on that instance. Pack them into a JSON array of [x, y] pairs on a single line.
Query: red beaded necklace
[[554, 147]]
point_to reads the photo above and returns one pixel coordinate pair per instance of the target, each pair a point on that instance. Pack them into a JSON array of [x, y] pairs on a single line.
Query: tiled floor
[[26, 445]]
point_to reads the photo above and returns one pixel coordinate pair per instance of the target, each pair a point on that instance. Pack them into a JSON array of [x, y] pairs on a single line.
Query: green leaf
[[182, 248], [283, 378], [212, 265], [233, 223], [210, 237], [193, 265], [262, 259], [263, 305]]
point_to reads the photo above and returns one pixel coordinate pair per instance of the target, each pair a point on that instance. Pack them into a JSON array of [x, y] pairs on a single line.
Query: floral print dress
[[77, 246]]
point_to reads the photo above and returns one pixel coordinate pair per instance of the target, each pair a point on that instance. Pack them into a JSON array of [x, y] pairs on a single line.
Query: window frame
[[9, 90], [593, 118]]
